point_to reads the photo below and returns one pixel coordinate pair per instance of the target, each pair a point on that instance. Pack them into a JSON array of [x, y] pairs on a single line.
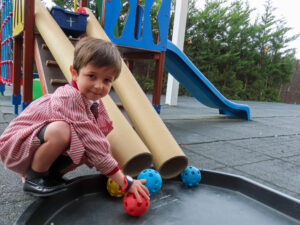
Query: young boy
[[60, 131]]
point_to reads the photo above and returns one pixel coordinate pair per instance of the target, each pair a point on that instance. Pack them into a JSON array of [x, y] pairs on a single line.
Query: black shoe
[[57, 176], [43, 187]]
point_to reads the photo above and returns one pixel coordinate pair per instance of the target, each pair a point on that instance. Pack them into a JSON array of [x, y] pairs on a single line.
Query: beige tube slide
[[168, 158], [126, 146]]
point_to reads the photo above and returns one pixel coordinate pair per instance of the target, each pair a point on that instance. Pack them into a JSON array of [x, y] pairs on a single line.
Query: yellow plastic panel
[[18, 16]]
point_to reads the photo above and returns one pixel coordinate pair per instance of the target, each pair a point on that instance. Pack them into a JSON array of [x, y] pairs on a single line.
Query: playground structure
[[136, 42], [12, 39]]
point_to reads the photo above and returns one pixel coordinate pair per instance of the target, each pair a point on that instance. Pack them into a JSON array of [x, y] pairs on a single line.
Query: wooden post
[[84, 3], [159, 69], [103, 13], [28, 52], [17, 57]]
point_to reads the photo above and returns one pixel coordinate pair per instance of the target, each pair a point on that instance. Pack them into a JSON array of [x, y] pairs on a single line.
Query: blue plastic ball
[[154, 181], [191, 176]]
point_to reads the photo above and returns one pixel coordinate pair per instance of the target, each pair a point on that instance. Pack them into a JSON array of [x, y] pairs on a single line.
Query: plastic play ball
[[154, 181], [114, 189], [132, 207], [81, 10], [191, 176]]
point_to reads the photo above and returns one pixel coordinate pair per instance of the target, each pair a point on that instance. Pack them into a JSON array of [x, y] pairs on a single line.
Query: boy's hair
[[98, 52]]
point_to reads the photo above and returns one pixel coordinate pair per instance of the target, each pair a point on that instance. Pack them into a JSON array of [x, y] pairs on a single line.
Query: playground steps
[[51, 63], [50, 74]]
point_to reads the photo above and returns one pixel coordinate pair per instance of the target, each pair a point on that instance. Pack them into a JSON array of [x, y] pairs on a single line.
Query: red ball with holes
[[132, 207], [81, 10]]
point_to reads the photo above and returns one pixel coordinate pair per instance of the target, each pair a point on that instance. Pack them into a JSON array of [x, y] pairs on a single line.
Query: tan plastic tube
[[168, 158], [126, 146]]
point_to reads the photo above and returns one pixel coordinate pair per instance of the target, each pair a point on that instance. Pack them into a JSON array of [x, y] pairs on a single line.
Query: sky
[[286, 9], [48, 3]]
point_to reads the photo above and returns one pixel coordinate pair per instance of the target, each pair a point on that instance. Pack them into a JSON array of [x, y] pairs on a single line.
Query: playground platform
[[264, 149]]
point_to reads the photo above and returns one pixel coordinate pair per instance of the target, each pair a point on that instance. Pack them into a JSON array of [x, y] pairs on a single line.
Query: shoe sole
[[46, 194]]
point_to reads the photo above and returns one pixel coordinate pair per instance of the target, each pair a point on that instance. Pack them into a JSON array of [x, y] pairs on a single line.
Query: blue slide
[[185, 72]]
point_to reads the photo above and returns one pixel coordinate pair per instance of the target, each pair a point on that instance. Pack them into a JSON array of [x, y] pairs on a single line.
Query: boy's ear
[[73, 71]]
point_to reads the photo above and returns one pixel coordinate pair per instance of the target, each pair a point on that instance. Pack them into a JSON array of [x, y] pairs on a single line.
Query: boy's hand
[[136, 187], [139, 187]]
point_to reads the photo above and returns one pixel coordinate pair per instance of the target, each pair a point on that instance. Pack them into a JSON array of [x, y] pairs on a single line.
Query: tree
[[275, 61], [243, 60], [216, 34], [69, 4]]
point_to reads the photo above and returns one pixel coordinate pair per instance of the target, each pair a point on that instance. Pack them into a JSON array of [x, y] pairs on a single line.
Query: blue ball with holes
[[191, 176], [154, 180]]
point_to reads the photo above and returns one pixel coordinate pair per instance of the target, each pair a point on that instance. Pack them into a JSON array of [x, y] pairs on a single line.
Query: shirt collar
[[92, 102], [73, 84]]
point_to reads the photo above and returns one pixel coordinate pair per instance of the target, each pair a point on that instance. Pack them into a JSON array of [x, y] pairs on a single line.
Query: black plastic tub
[[221, 198]]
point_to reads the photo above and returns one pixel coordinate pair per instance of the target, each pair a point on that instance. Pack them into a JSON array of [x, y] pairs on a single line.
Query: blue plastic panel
[[144, 37], [183, 70]]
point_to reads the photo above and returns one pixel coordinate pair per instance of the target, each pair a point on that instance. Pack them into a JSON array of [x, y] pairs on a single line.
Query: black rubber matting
[[221, 198]]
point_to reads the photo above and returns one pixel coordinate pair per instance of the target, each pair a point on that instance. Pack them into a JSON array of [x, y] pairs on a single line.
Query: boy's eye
[[91, 76], [108, 81]]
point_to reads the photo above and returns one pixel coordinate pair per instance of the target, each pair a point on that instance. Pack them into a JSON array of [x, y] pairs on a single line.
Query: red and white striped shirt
[[19, 141]]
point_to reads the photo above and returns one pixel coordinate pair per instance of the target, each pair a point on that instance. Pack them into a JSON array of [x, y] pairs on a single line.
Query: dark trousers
[[62, 162]]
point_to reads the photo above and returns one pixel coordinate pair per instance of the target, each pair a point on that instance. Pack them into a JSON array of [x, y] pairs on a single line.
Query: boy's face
[[93, 82]]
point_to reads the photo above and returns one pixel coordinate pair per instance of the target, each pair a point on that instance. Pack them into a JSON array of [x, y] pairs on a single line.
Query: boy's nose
[[98, 85]]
